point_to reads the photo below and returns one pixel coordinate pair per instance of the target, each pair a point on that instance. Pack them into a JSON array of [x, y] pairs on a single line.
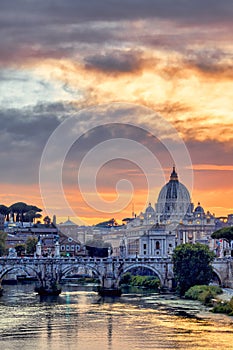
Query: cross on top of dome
[[174, 175]]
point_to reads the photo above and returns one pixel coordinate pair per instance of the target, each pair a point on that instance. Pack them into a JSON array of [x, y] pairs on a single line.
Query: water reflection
[[80, 319]]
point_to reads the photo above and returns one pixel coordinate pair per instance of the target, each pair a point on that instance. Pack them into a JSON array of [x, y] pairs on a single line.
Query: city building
[[172, 221]]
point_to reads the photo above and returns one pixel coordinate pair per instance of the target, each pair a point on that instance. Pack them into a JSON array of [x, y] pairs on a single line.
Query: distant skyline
[[173, 57]]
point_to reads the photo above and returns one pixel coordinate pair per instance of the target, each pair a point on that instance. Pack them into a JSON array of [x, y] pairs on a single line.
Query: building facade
[[173, 220]]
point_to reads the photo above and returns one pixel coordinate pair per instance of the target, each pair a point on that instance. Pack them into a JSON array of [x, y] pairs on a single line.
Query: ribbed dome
[[199, 209], [174, 199], [150, 209]]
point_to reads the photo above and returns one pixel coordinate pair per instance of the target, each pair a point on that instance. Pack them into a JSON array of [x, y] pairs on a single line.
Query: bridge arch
[[128, 268], [217, 276], [69, 269], [25, 269]]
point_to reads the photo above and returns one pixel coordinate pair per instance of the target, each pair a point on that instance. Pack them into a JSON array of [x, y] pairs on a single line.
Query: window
[[157, 245], [67, 248], [144, 246], [72, 248], [63, 248]]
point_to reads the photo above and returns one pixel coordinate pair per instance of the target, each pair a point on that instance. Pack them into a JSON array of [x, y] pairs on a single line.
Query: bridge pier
[[49, 278], [109, 286], [1, 289]]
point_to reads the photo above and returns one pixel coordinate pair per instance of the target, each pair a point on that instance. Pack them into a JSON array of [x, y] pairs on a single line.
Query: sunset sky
[[128, 60]]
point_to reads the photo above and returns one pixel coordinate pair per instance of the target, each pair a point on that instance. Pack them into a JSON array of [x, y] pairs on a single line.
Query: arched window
[[157, 245]]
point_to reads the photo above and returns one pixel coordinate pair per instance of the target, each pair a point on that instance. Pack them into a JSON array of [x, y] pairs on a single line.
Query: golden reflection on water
[[81, 320]]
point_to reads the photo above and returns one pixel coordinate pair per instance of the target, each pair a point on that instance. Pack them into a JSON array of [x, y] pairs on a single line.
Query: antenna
[[132, 210]]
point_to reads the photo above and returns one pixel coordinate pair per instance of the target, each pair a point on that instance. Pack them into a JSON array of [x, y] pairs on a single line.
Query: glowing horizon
[[175, 59]]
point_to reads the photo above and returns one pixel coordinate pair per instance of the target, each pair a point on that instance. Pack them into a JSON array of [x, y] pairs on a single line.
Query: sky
[[135, 75]]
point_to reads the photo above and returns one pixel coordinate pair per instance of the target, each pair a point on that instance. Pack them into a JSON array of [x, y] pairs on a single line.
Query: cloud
[[192, 10], [35, 30], [24, 134], [115, 62]]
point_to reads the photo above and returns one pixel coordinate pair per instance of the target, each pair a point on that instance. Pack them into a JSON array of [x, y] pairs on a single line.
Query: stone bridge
[[108, 270]]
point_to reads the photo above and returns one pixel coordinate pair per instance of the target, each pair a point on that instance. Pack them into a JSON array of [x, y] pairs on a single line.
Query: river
[[81, 320]]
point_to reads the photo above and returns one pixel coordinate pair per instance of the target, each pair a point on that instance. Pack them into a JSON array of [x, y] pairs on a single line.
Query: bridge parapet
[[108, 269], [223, 267]]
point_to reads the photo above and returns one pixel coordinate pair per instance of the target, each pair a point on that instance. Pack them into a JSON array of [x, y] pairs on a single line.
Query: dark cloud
[[115, 62], [78, 10], [210, 152], [211, 62], [23, 136], [46, 29]]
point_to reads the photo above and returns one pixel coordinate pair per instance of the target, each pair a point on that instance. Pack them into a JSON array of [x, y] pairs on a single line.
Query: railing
[[83, 259]]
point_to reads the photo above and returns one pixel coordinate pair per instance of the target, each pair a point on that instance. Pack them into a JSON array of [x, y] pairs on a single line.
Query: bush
[[224, 307], [149, 282], [203, 293], [126, 278]]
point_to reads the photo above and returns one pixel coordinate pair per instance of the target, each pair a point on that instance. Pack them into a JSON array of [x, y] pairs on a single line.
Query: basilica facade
[[172, 221]]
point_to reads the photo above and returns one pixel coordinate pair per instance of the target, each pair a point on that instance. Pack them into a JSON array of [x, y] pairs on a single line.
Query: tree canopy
[[20, 211], [3, 236], [192, 265], [31, 245], [97, 247], [224, 233]]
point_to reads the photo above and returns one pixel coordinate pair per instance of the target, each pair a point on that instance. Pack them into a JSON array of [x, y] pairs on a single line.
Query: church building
[[172, 221]]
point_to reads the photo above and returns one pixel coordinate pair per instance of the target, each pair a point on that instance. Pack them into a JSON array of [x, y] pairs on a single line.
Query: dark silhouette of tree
[[31, 215], [98, 248], [4, 210], [47, 220], [192, 265], [109, 223], [17, 210], [20, 210], [224, 233]]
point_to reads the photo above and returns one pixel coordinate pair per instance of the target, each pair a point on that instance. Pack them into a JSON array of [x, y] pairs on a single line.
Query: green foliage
[[203, 293], [126, 278], [20, 248], [224, 307], [225, 233], [3, 237], [31, 245], [149, 282], [192, 265]]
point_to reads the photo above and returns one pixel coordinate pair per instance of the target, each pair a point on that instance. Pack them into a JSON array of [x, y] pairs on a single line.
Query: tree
[[224, 233], [110, 223], [3, 237], [97, 247], [20, 248], [18, 209], [47, 220], [192, 266], [31, 243], [4, 210], [31, 215]]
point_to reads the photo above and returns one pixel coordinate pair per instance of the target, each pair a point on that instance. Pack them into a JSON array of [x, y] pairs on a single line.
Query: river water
[[81, 320]]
